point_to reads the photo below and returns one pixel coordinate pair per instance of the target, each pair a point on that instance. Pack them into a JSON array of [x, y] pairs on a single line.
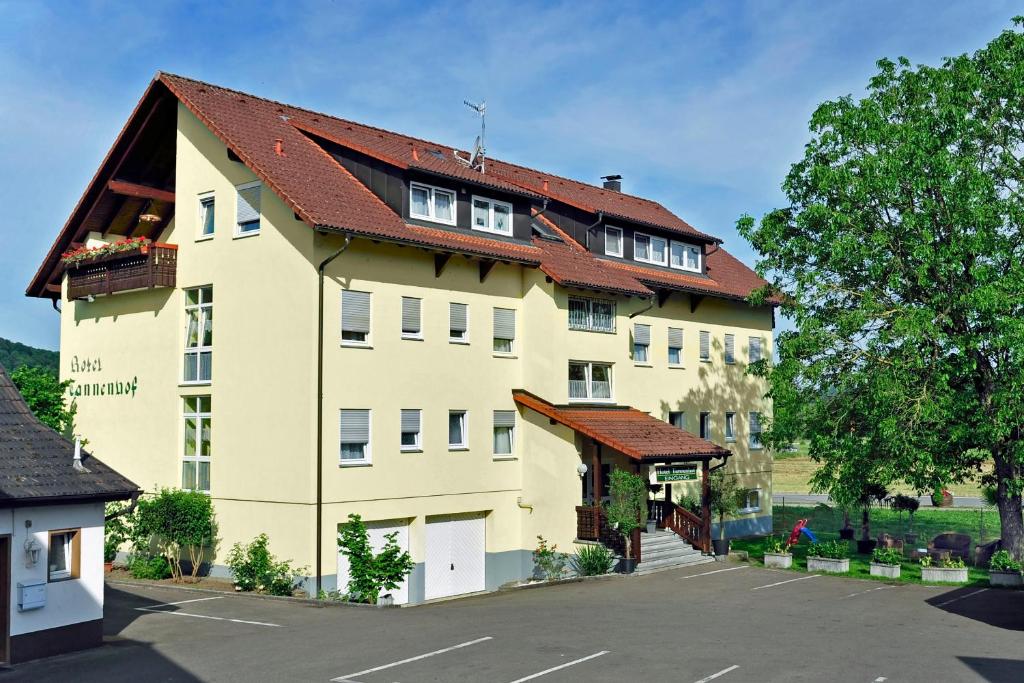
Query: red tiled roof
[[627, 430]]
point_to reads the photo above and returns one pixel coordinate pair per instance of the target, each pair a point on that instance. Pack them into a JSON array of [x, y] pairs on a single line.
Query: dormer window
[[650, 249], [431, 203], [492, 216], [685, 257]]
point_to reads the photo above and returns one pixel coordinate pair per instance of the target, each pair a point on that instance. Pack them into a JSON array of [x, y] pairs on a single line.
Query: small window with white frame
[[675, 346], [641, 343], [705, 346], [755, 431], [411, 430], [591, 315], [198, 359], [63, 556], [685, 256], [730, 348], [730, 426], [650, 249], [458, 323], [504, 330], [705, 426], [490, 215], [613, 241], [677, 419], [458, 428], [590, 381], [412, 327], [504, 433], [207, 218], [247, 220], [195, 459], [751, 501], [355, 437], [754, 349], [355, 318], [430, 203]]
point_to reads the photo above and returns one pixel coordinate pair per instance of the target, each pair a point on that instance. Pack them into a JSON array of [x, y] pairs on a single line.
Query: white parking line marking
[[348, 677], [948, 602], [204, 616], [182, 602], [720, 673], [880, 679], [870, 590], [730, 569], [561, 666], [779, 583]]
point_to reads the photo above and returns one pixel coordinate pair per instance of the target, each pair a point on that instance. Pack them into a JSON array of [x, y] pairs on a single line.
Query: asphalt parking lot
[[716, 622]]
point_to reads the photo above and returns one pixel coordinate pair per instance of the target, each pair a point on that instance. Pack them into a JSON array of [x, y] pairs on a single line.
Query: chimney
[[612, 182]]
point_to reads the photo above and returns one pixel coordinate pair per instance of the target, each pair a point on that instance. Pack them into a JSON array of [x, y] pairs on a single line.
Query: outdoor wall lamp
[[581, 469]]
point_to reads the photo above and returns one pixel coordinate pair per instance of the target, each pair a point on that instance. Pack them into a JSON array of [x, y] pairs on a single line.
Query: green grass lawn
[[825, 522]]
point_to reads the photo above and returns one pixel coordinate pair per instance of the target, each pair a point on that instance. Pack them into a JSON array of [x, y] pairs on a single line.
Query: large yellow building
[[456, 349]]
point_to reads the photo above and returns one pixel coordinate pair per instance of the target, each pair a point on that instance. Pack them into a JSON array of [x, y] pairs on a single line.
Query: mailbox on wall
[[31, 595]]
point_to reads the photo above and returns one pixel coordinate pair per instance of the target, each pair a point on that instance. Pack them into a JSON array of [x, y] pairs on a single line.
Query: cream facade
[[482, 510]]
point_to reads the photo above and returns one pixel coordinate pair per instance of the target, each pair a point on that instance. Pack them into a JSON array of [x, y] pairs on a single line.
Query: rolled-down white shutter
[[355, 311]]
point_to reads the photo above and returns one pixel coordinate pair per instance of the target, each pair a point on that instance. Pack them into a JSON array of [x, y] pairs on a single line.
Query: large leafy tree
[[899, 259], [46, 397]]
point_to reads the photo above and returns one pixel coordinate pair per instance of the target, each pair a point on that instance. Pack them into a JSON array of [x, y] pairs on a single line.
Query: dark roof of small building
[[631, 432], [37, 463]]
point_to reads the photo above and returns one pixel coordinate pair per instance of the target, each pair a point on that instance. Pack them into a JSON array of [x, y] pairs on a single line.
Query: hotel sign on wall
[[676, 472], [88, 383]]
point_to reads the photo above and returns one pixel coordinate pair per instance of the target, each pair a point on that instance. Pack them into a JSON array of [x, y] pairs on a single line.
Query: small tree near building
[[627, 494], [371, 573], [176, 522]]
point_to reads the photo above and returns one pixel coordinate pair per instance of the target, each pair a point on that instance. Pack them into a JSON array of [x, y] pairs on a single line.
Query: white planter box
[[1006, 579], [828, 565], [889, 571], [944, 575], [778, 560]]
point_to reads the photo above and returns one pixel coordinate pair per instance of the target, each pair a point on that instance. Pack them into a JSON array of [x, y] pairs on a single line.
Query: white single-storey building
[[51, 536]]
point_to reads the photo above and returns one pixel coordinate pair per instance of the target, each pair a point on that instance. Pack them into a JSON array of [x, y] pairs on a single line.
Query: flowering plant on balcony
[[76, 256]]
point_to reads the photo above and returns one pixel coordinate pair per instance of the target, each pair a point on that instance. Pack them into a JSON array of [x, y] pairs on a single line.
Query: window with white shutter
[[705, 345], [355, 437], [411, 325], [355, 318], [730, 348], [504, 329], [504, 432], [458, 323], [675, 346], [641, 342], [410, 426], [247, 219]]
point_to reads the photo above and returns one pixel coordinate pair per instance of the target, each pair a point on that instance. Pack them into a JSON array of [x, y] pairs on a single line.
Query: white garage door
[[455, 555], [376, 531]]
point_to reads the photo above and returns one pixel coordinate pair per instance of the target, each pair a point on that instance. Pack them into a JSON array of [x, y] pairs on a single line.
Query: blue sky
[[699, 105]]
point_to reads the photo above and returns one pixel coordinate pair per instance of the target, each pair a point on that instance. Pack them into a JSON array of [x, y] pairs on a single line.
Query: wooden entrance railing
[[690, 527], [592, 525]]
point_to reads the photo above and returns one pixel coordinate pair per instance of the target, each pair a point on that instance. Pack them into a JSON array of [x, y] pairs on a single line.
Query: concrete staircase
[[664, 550]]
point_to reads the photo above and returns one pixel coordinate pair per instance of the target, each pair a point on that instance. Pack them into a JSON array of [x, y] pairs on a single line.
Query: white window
[[206, 215], [754, 349], [705, 346], [355, 437], [431, 203], [504, 432], [198, 335], [590, 381], [355, 318], [63, 555], [247, 220], [641, 342], [649, 249], [751, 501], [411, 439], [705, 425], [730, 426], [592, 315], [195, 459], [755, 431], [677, 418], [411, 323], [730, 348], [504, 329], [458, 323], [458, 427], [675, 346], [685, 257], [490, 215], [613, 241]]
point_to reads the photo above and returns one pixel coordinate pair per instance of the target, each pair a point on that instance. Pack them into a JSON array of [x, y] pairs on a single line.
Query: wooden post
[[595, 471], [705, 507]]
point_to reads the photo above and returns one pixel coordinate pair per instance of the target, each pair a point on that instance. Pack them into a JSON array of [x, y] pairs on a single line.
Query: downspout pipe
[[600, 219], [320, 410]]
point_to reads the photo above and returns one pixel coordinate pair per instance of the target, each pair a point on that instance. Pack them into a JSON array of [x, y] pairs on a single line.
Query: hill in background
[[14, 354]]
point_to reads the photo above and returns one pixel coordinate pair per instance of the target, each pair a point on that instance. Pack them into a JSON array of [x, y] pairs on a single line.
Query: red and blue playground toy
[[801, 528]]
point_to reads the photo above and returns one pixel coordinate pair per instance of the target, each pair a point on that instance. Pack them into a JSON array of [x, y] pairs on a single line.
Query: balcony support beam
[[142, 191]]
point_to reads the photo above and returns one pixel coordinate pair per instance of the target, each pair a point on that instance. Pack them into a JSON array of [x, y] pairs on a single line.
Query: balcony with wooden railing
[[147, 266]]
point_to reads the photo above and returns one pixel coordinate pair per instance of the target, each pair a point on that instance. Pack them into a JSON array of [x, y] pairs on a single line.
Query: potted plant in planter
[[628, 500], [908, 504], [1004, 571], [886, 562], [831, 557], [846, 533], [871, 492], [723, 499], [942, 497], [776, 554], [947, 571]]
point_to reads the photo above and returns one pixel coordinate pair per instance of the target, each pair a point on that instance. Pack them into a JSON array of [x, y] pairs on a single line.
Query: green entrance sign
[[676, 473]]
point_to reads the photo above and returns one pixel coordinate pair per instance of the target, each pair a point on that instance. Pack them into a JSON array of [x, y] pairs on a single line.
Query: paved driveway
[[723, 622]]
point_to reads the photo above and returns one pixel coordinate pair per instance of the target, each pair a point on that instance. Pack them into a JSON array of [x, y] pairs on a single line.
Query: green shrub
[[154, 568], [832, 550], [176, 521], [890, 556], [369, 573], [953, 563], [116, 530], [776, 546], [690, 504], [592, 560], [925, 560], [1002, 561], [256, 569], [628, 501], [549, 561]]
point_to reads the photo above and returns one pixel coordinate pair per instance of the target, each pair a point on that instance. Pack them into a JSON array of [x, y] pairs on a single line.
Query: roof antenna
[[476, 159]]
